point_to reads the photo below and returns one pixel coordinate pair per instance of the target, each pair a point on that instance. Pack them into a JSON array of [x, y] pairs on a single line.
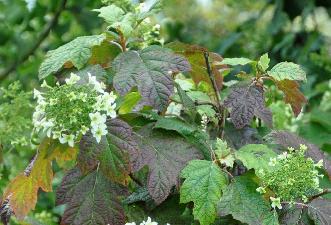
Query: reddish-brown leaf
[[293, 96], [195, 55], [21, 193], [23, 189]]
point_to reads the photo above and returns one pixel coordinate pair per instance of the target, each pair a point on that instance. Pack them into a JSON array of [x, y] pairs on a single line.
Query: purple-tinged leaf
[[245, 102], [151, 71], [320, 211], [166, 154], [91, 199], [113, 152]]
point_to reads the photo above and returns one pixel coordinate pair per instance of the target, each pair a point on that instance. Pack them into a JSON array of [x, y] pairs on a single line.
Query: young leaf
[[91, 199], [192, 134], [293, 96], [244, 102], [245, 204], [287, 70], [166, 154], [264, 62], [204, 182], [151, 71], [195, 55], [75, 53], [236, 61], [287, 139], [117, 18], [155, 7], [320, 211], [255, 156], [113, 152]]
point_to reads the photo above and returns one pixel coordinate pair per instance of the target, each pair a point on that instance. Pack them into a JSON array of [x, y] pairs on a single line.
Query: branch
[[220, 109], [212, 79], [324, 192], [43, 35]]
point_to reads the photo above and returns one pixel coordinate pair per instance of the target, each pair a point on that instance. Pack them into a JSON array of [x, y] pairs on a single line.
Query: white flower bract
[[66, 112]]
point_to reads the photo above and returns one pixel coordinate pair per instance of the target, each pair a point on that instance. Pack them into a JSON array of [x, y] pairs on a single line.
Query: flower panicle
[[66, 112]]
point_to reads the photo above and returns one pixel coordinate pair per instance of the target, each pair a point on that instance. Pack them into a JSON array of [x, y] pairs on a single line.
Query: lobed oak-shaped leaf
[[195, 55], [75, 53], [165, 154], [287, 70], [91, 199], [244, 102], [204, 182], [292, 94], [22, 191], [255, 156], [287, 139], [320, 211], [113, 152], [245, 204], [151, 71]]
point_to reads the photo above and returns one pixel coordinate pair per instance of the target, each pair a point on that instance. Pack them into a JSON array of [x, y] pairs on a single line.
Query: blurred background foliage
[[296, 30]]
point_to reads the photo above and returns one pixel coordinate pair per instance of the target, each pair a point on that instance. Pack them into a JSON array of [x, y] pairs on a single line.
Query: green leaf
[[236, 61], [91, 199], [224, 153], [117, 18], [111, 14], [245, 204], [113, 152], [165, 154], [192, 134], [151, 71], [204, 182], [129, 102], [75, 53], [155, 7], [255, 156], [264, 62], [287, 70]]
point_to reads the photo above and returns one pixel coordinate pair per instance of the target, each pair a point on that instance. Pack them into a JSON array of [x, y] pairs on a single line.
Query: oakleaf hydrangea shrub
[[66, 112], [164, 136]]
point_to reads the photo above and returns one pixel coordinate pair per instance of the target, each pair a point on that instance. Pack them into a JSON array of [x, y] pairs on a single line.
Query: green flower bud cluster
[[292, 177], [68, 111]]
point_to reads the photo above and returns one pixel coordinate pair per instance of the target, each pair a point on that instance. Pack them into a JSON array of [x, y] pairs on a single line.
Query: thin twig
[[212, 79], [43, 35]]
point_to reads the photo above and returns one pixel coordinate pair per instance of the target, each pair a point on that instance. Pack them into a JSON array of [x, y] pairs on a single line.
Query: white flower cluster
[[69, 111], [147, 222]]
